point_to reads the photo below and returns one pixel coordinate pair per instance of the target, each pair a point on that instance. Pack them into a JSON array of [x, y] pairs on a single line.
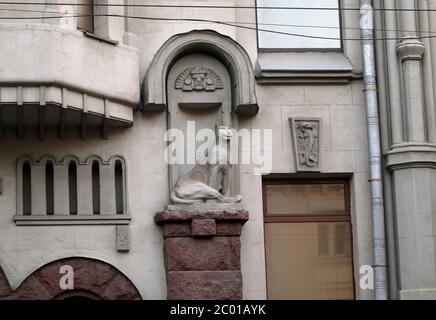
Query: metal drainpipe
[[374, 151]]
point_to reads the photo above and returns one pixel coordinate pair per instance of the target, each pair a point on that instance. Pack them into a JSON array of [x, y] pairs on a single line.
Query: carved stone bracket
[[198, 79], [305, 133]]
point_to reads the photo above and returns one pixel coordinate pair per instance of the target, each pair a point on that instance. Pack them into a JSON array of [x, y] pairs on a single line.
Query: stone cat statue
[[208, 180]]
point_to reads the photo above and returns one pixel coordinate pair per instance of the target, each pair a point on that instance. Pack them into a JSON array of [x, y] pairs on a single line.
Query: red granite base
[[204, 285], [202, 251]]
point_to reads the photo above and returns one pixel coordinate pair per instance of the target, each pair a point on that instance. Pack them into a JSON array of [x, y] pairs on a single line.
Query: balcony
[[52, 77]]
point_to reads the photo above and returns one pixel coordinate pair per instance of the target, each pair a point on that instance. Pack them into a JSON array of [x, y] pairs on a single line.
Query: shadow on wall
[[72, 278]]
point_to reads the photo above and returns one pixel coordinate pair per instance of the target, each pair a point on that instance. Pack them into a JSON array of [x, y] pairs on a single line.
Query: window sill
[[94, 36], [64, 220], [304, 67]]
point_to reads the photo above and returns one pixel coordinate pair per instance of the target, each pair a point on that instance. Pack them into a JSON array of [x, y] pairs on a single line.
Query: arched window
[[95, 187], [72, 186], [27, 189], [49, 187], [119, 187]]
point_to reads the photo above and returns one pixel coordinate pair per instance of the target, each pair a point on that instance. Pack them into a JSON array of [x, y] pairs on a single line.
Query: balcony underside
[[39, 109]]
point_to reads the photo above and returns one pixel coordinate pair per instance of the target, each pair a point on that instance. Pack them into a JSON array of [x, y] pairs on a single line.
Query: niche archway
[[223, 48], [201, 78]]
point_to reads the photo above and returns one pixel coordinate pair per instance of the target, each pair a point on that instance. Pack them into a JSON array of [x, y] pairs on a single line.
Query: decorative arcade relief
[[198, 79], [52, 191], [73, 191], [305, 134]]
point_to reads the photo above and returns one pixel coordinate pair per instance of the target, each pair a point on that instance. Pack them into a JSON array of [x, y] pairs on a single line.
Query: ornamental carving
[[306, 142], [198, 79]]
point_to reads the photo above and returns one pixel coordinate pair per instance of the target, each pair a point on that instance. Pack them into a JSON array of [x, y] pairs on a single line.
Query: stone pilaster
[[410, 51], [412, 163], [202, 250]]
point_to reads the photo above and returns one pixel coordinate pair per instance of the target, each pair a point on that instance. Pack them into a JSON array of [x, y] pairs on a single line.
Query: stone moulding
[[44, 220], [411, 155], [182, 213], [225, 49], [304, 67], [306, 139], [66, 96], [410, 48]]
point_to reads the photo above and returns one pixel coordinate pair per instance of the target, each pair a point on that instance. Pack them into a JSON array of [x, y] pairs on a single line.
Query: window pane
[[303, 260], [72, 187], [85, 12], [95, 187], [316, 23], [49, 187], [119, 188], [305, 199], [27, 189]]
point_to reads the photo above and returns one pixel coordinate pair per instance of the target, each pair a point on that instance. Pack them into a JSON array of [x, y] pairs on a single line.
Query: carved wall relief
[[198, 79], [305, 134]]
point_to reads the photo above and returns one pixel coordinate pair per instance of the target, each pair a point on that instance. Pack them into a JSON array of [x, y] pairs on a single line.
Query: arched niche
[[199, 95], [222, 48]]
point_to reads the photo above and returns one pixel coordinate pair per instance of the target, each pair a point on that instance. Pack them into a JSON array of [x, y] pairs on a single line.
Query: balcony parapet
[[45, 65]]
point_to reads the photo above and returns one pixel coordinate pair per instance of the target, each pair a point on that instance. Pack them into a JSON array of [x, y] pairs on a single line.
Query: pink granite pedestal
[[202, 250]]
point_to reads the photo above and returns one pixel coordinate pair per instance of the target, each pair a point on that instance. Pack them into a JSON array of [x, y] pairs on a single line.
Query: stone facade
[[261, 98], [69, 94]]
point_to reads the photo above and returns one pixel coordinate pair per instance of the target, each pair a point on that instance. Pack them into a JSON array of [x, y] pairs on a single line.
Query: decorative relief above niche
[[305, 133], [198, 79]]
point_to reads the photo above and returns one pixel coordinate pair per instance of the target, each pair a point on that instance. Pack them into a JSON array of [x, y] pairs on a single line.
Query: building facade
[[88, 92]]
